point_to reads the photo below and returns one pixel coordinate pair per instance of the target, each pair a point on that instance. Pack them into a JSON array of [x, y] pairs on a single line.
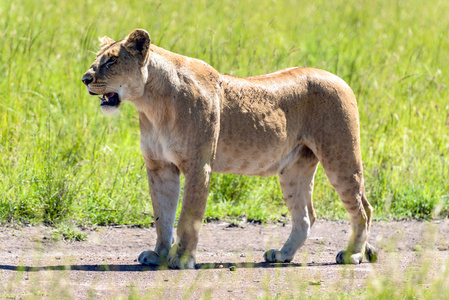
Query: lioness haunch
[[194, 120]]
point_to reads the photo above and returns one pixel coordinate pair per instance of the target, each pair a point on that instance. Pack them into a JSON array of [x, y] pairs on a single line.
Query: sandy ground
[[105, 266]]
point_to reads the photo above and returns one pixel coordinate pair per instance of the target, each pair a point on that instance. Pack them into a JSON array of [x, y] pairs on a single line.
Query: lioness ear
[[105, 41], [138, 40]]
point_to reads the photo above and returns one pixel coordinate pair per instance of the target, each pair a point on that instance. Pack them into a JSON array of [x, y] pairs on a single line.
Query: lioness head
[[119, 73]]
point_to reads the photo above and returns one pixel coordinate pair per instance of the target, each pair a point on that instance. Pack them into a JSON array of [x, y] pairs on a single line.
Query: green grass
[[62, 159], [68, 233]]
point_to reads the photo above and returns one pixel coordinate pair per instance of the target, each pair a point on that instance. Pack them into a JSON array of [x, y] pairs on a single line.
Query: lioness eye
[[111, 60]]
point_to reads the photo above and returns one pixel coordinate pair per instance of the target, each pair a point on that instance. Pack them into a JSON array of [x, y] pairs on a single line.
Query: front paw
[[181, 261], [151, 258]]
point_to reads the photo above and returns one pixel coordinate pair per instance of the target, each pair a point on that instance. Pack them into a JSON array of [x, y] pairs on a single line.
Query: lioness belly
[[251, 161], [253, 145]]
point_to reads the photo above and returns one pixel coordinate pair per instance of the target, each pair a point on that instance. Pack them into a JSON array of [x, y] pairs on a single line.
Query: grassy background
[[62, 160]]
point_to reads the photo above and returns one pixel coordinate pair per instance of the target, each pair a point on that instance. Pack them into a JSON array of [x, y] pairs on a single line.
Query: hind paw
[[370, 253], [343, 257], [150, 258], [275, 256], [179, 261]]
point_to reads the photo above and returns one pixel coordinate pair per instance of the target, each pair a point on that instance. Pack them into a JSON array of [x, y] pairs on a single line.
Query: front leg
[[164, 182], [197, 178]]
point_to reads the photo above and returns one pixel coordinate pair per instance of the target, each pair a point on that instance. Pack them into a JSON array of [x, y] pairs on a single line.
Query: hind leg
[[370, 251], [296, 182], [350, 188]]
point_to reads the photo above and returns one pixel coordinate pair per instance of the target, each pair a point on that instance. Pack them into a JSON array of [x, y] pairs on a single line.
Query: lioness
[[196, 121]]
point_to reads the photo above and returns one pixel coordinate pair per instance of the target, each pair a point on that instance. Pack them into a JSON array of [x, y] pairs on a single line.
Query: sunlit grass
[[60, 158]]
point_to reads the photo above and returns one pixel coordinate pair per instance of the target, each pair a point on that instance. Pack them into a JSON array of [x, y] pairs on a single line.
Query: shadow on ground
[[142, 268]]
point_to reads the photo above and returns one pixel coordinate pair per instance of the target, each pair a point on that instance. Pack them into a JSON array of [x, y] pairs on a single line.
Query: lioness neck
[[160, 85], [172, 79]]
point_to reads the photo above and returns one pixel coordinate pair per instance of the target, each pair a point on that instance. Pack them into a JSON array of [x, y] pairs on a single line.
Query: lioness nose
[[87, 78]]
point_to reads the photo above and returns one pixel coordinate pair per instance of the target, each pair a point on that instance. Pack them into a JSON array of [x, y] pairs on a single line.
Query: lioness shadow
[[90, 268], [142, 268]]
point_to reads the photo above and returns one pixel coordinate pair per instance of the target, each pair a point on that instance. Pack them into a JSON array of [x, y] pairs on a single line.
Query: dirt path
[[105, 266]]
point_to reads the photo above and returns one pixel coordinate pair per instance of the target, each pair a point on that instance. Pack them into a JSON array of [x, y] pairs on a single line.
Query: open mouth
[[110, 99]]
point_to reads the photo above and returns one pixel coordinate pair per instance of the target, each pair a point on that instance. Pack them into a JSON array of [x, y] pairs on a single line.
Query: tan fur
[[194, 120]]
